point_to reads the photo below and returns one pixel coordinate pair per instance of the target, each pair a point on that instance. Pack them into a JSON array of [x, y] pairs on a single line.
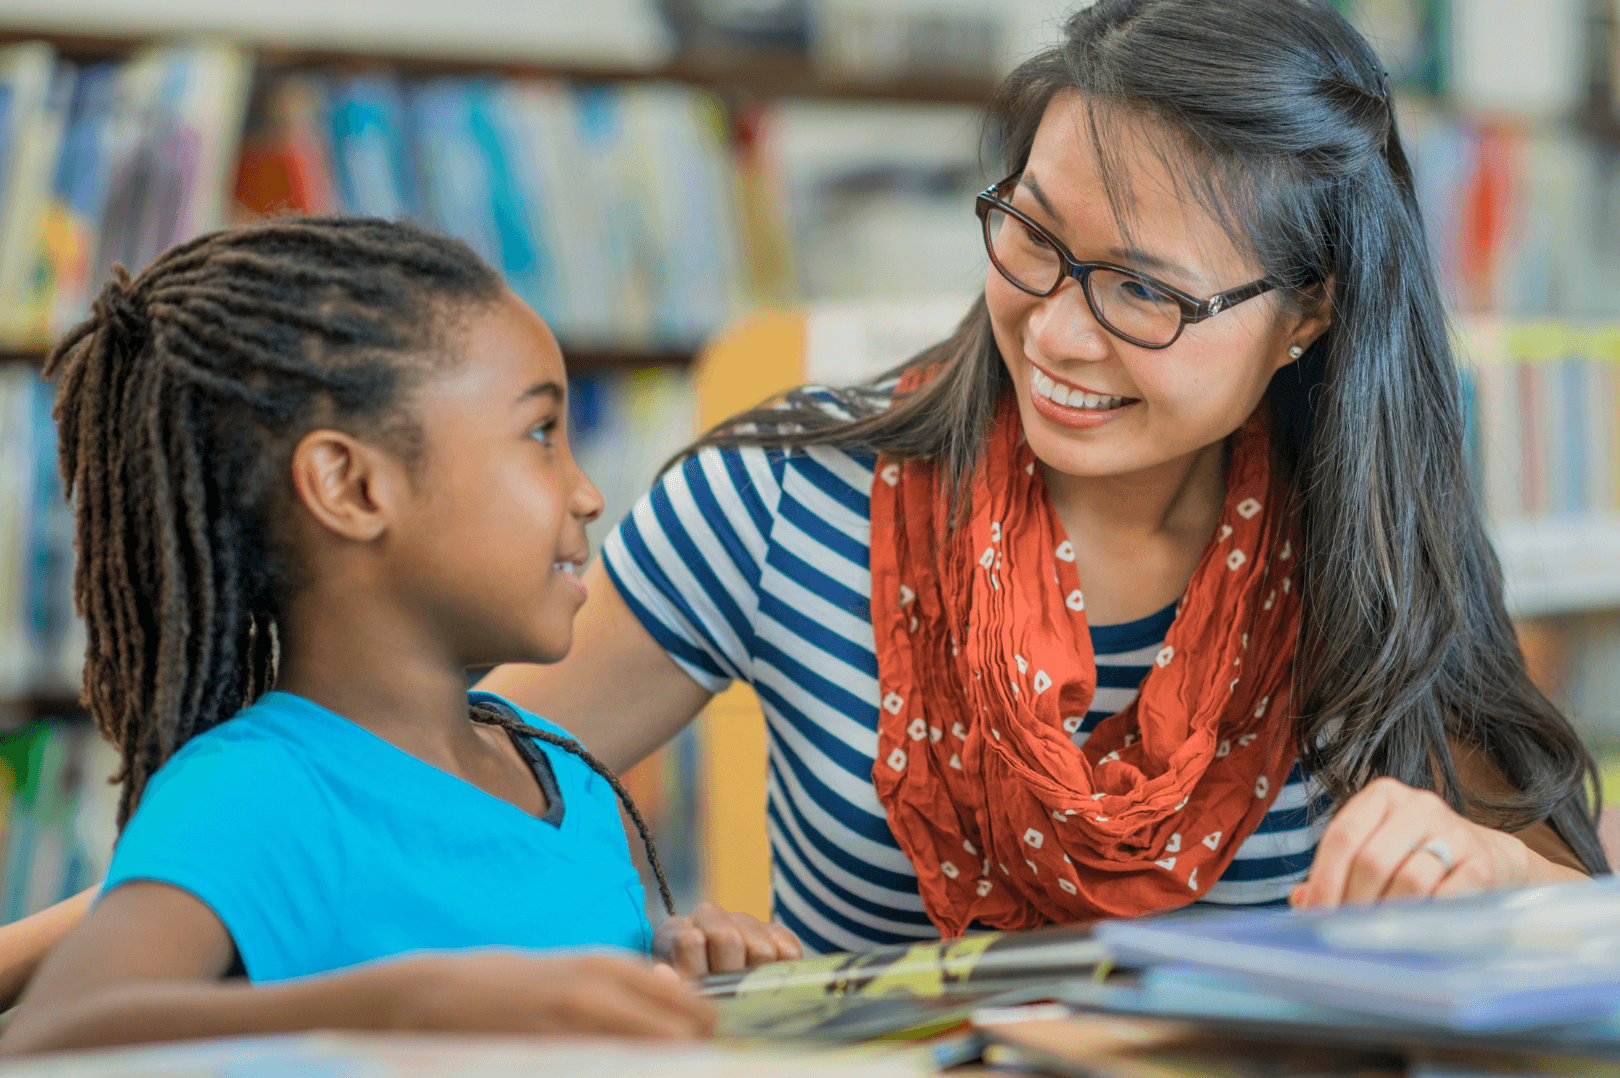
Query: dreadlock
[[494, 717], [179, 403]]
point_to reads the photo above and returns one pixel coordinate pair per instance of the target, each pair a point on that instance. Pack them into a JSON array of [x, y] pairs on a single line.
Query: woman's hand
[[710, 940], [587, 995], [1392, 841]]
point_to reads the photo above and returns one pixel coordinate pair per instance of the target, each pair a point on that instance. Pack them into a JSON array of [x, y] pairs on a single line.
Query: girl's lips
[[570, 572]]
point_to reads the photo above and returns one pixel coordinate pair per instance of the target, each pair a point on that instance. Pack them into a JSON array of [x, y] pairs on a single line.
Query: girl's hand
[[588, 995], [1392, 841], [710, 940]]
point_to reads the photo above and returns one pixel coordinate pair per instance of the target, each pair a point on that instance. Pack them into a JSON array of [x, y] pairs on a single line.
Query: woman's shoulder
[[762, 466]]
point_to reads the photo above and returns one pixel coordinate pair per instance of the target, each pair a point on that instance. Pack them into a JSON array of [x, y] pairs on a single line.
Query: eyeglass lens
[[1130, 306]]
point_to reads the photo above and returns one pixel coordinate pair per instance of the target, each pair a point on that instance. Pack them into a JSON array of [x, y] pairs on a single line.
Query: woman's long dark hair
[[1275, 115]]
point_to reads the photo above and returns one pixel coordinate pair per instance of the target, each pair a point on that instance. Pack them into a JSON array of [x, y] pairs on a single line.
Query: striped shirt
[[752, 564]]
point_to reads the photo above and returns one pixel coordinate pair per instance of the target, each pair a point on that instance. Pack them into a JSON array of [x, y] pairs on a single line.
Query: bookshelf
[[762, 73]]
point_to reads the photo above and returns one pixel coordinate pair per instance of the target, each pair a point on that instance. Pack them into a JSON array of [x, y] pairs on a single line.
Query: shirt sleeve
[[687, 559], [239, 826]]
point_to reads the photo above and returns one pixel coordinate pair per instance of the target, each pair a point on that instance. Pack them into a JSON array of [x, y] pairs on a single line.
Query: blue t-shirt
[[320, 846]]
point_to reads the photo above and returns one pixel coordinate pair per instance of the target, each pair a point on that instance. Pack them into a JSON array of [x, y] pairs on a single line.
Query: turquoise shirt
[[320, 846]]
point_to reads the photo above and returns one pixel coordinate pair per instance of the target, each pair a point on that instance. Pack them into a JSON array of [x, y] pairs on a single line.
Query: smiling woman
[[1161, 580]]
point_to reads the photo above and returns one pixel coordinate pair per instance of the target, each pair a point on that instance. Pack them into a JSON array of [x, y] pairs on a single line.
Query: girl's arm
[[617, 690], [146, 965], [25, 943]]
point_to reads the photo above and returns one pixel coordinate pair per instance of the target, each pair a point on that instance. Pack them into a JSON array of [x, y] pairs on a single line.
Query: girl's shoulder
[[512, 712]]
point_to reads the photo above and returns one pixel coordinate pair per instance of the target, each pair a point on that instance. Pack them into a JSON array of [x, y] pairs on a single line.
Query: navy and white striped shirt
[[752, 564]]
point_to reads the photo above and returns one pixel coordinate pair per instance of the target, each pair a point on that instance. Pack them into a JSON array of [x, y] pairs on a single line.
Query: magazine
[[914, 989]]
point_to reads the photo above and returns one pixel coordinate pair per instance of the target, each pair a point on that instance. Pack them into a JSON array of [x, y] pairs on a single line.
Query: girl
[[329, 455], [1162, 580]]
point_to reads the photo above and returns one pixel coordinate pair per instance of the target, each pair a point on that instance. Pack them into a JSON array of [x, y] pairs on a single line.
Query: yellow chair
[[761, 356]]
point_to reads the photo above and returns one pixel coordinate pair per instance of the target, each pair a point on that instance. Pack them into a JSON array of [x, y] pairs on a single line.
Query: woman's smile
[[1071, 405]]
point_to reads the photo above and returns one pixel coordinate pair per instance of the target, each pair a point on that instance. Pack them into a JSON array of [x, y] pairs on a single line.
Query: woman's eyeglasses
[[1131, 306]]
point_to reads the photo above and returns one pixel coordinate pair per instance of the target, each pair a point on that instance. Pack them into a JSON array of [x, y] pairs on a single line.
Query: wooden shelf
[[759, 73], [1560, 564], [34, 708]]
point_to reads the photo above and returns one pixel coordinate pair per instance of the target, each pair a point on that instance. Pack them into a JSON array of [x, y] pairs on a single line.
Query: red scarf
[[986, 669]]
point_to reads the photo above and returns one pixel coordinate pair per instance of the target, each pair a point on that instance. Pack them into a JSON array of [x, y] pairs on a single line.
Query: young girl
[[329, 456]]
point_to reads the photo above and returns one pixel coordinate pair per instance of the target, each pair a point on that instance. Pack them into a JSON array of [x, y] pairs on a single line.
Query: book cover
[[1506, 959]]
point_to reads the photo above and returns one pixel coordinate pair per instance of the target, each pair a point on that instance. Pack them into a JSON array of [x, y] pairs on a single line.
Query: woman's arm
[[617, 690], [146, 966]]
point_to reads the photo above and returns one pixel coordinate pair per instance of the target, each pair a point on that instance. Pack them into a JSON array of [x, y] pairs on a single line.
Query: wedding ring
[[1442, 853]]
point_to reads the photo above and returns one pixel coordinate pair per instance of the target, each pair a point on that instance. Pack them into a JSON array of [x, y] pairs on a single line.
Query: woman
[[1206, 420], [1201, 437]]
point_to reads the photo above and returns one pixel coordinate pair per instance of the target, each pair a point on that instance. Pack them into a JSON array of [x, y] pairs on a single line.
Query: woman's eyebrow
[[1130, 256], [1033, 186], [1126, 256]]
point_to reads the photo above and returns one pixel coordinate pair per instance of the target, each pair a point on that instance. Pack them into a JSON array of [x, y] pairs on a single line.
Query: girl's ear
[[349, 487]]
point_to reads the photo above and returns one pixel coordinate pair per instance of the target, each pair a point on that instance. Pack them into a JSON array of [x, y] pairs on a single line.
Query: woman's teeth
[[1058, 393]]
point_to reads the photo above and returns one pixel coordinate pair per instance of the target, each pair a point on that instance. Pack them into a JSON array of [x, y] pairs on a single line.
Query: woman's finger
[[1340, 844], [1415, 817], [1472, 876], [1419, 875]]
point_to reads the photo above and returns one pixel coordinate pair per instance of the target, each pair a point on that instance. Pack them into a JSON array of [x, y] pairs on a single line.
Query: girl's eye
[[544, 433]]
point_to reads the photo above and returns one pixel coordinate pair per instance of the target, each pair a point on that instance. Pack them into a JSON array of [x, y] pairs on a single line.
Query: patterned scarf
[[986, 670]]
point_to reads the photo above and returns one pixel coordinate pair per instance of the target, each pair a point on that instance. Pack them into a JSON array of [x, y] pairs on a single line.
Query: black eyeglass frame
[[1193, 309]]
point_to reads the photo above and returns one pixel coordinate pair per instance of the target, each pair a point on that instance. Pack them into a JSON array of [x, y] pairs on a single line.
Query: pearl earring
[[1295, 352]]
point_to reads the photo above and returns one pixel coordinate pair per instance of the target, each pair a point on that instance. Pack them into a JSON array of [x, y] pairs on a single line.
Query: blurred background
[[646, 173]]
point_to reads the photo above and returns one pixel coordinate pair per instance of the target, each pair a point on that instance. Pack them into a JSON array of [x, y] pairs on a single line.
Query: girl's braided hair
[[179, 403]]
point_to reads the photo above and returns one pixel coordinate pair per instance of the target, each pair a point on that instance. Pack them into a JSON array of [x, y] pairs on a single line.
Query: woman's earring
[[1295, 352]]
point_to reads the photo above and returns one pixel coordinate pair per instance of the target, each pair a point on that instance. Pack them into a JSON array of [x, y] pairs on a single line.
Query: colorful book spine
[[1547, 413]]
